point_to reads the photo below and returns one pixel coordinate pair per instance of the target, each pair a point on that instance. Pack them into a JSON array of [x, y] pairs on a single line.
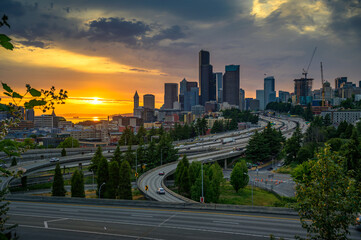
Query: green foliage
[[58, 183], [239, 176], [352, 153], [218, 127], [69, 142], [63, 152], [129, 156], [216, 179], [141, 135], [240, 116], [308, 115], [165, 150], [327, 199], [182, 177], [4, 39], [95, 160], [14, 162], [127, 137], [117, 157], [293, 145], [125, 187], [194, 171], [77, 184], [201, 126], [113, 182], [285, 108], [335, 144], [102, 177]]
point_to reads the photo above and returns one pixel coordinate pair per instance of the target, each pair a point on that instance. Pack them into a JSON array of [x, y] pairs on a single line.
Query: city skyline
[[103, 53]]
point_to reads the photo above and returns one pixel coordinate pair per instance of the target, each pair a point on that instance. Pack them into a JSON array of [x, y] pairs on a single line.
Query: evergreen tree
[[69, 142], [352, 153], [141, 155], [342, 127], [293, 145], [196, 189], [239, 176], [129, 156], [233, 125], [14, 162], [95, 160], [141, 134], [257, 148], [182, 177], [327, 120], [113, 182], [308, 115], [117, 157], [335, 144], [125, 187], [216, 179], [77, 184], [63, 152], [151, 158], [194, 171], [102, 176], [58, 183]]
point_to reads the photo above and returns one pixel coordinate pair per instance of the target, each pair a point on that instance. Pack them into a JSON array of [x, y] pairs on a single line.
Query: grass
[[244, 196], [287, 169]]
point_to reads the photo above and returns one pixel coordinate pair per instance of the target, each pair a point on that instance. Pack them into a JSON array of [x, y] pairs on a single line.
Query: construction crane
[[305, 72], [323, 87]]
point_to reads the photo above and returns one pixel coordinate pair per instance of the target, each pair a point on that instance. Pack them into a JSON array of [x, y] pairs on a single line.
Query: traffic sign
[[146, 187], [136, 174], [202, 200], [143, 167]]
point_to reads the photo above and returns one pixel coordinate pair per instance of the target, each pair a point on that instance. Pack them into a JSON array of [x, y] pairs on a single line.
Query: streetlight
[[202, 182], [100, 188], [252, 187]]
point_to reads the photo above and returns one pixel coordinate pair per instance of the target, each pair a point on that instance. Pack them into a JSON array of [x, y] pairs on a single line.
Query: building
[[260, 97], [44, 121], [283, 96], [211, 106], [198, 110], [187, 94], [207, 81], [345, 115], [252, 104], [219, 87], [339, 81], [242, 103], [149, 101], [231, 85], [136, 103], [29, 114], [269, 90], [303, 90], [193, 97], [170, 95]]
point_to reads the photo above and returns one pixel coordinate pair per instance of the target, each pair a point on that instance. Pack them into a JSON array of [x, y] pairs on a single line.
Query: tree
[[239, 176], [182, 177], [293, 145], [129, 156], [102, 177], [96, 159], [216, 179], [14, 162], [328, 199], [69, 142], [127, 138], [125, 187], [63, 152], [77, 184], [327, 120], [352, 153], [113, 182], [58, 183], [308, 115], [117, 157], [257, 148], [335, 144]]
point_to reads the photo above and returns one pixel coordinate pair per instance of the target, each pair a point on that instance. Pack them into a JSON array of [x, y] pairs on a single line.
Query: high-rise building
[[303, 90], [242, 103], [29, 114], [231, 85], [136, 104], [193, 97], [206, 79], [186, 94], [359, 84], [269, 90], [170, 95], [149, 101], [219, 87], [260, 97], [283, 96], [339, 81]]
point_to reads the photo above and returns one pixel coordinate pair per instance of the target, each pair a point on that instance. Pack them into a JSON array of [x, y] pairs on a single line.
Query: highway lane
[[68, 221]]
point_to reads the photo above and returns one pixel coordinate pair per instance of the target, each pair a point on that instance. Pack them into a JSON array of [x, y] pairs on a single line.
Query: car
[[54, 159], [270, 168], [161, 173], [2, 165], [160, 191], [358, 223]]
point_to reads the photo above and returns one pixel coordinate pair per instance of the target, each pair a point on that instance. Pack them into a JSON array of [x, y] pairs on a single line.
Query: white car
[[54, 159], [161, 191]]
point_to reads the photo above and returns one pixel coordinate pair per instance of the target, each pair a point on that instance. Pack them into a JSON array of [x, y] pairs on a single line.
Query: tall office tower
[[359, 84], [170, 95], [219, 87], [242, 103], [260, 97], [339, 81], [29, 114], [185, 94], [193, 97], [231, 85], [136, 103], [303, 90], [148, 101], [269, 88], [206, 79], [283, 96]]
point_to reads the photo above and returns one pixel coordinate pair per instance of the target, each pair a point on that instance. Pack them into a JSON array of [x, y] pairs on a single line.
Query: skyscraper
[[303, 90], [339, 81], [185, 94], [231, 85], [149, 101], [207, 82], [219, 87], [170, 95], [136, 103], [283, 96], [269, 90], [260, 96], [242, 103]]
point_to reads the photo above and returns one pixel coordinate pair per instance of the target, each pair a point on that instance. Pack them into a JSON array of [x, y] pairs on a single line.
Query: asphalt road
[[68, 221]]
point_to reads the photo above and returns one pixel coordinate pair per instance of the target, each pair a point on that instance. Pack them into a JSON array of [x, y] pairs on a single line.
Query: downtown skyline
[[102, 53]]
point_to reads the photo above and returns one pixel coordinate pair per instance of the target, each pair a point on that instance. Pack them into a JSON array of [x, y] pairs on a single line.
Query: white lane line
[[140, 215], [45, 224], [225, 222], [167, 219], [54, 220]]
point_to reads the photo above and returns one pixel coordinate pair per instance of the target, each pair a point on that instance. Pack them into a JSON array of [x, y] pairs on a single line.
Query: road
[[68, 221]]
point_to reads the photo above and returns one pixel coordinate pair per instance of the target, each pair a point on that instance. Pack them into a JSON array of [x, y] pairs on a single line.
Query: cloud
[[11, 8], [38, 44], [173, 33]]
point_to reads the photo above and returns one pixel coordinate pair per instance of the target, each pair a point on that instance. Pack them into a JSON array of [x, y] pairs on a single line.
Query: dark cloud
[[11, 8], [139, 70], [173, 33], [38, 44]]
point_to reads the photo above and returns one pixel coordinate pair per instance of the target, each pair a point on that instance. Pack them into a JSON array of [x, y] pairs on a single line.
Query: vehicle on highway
[[161, 173], [227, 140], [160, 191], [54, 159], [2, 165], [358, 222]]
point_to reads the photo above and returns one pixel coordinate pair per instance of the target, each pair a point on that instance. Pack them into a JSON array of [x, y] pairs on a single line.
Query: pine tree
[[58, 183], [117, 157], [102, 176], [239, 176], [182, 176], [293, 145], [63, 152], [95, 160], [129, 156], [113, 182], [77, 184], [14, 162], [125, 187]]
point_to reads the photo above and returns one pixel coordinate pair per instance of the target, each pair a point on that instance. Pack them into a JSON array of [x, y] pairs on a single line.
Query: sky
[[101, 52]]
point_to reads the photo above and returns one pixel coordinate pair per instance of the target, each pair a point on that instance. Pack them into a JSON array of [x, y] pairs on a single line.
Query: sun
[[95, 101]]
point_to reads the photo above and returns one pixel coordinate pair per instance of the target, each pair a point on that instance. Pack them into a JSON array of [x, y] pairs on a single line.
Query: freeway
[[77, 221], [154, 181]]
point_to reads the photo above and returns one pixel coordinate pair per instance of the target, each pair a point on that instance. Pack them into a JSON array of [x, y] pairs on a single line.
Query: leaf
[[5, 42], [17, 95], [34, 103], [7, 94], [7, 88], [34, 92]]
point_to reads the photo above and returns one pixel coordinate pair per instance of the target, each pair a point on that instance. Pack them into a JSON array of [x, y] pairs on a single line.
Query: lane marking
[[54, 220], [45, 224], [234, 223], [164, 210], [141, 215], [167, 219]]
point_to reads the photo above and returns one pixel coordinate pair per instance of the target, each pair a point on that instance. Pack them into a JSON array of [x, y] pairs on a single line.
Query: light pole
[[100, 188]]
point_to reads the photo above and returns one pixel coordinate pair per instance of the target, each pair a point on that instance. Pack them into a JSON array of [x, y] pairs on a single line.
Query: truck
[[227, 140]]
